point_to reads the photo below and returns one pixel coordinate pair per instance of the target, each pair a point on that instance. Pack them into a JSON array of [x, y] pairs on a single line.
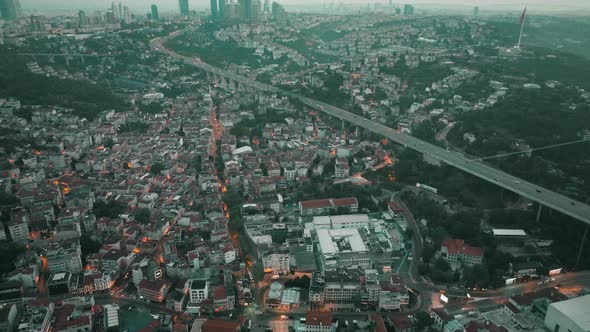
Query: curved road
[[526, 189]]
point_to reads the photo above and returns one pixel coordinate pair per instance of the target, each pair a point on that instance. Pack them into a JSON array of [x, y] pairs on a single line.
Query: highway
[[521, 187]]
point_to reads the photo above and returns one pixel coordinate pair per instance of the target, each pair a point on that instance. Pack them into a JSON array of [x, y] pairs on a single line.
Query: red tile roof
[[456, 246], [345, 201], [220, 325], [316, 318], [379, 323], [400, 322], [219, 293], [316, 204], [395, 207], [155, 286], [64, 320]]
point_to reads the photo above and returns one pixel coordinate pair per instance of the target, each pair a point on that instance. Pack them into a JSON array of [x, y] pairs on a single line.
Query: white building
[[104, 281], [64, 258], [342, 248], [341, 168], [198, 290], [569, 316], [340, 221], [19, 231]]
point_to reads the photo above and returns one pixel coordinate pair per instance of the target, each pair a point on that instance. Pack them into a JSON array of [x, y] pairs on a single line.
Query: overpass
[[543, 196]]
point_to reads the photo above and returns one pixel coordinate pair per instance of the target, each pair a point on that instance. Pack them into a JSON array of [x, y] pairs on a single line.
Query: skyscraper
[[246, 8], [183, 6], [278, 13], [475, 11], [10, 9], [222, 8], [110, 17], [82, 19], [267, 6], [155, 15], [115, 10], [408, 10], [37, 23], [214, 9]]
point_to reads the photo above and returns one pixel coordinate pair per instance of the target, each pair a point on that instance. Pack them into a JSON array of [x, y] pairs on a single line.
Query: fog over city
[[539, 5]]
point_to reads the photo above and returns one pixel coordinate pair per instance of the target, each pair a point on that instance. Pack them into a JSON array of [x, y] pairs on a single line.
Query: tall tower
[[246, 9], [82, 19], [476, 11], [126, 15], [155, 15], [408, 10], [222, 8], [214, 9], [267, 6], [37, 23], [183, 6], [10, 9], [115, 10]]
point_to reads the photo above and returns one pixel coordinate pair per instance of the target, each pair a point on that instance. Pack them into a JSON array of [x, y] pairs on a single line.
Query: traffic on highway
[[543, 196]]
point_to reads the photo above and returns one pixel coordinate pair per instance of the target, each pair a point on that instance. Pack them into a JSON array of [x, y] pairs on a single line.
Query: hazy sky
[[143, 5]]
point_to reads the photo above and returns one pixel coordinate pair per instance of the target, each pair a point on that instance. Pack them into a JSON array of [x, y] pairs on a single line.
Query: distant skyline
[[140, 6]]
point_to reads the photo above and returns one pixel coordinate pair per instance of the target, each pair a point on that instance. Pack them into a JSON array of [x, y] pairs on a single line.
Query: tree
[[142, 215], [442, 265], [423, 321], [264, 169], [476, 276], [88, 246], [10, 251], [357, 299], [111, 209], [156, 169]]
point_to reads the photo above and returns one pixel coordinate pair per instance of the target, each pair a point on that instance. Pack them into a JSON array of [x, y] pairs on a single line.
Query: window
[[556, 328]]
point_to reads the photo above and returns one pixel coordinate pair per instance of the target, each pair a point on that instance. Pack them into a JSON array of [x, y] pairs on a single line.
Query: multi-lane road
[[521, 187]]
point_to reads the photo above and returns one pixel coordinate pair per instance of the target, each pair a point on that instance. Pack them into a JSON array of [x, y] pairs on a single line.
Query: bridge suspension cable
[[532, 150]]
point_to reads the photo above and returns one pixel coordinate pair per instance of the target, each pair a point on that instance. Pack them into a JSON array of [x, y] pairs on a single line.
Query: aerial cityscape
[[286, 166]]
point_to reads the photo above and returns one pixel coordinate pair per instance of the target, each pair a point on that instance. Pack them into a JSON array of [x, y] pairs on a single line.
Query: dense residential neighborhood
[[142, 192]]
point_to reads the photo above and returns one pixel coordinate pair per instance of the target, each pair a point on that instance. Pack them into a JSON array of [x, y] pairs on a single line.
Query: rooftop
[[316, 318], [575, 309]]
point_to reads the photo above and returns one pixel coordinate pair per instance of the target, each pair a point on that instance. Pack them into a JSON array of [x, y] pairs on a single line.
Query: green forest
[[86, 100]]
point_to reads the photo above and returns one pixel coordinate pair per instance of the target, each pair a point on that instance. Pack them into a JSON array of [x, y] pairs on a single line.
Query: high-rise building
[[475, 11], [246, 8], [267, 6], [110, 17], [183, 6], [278, 12], [37, 23], [155, 15], [214, 9], [222, 8], [82, 19], [408, 10], [10, 9], [126, 15], [115, 10]]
